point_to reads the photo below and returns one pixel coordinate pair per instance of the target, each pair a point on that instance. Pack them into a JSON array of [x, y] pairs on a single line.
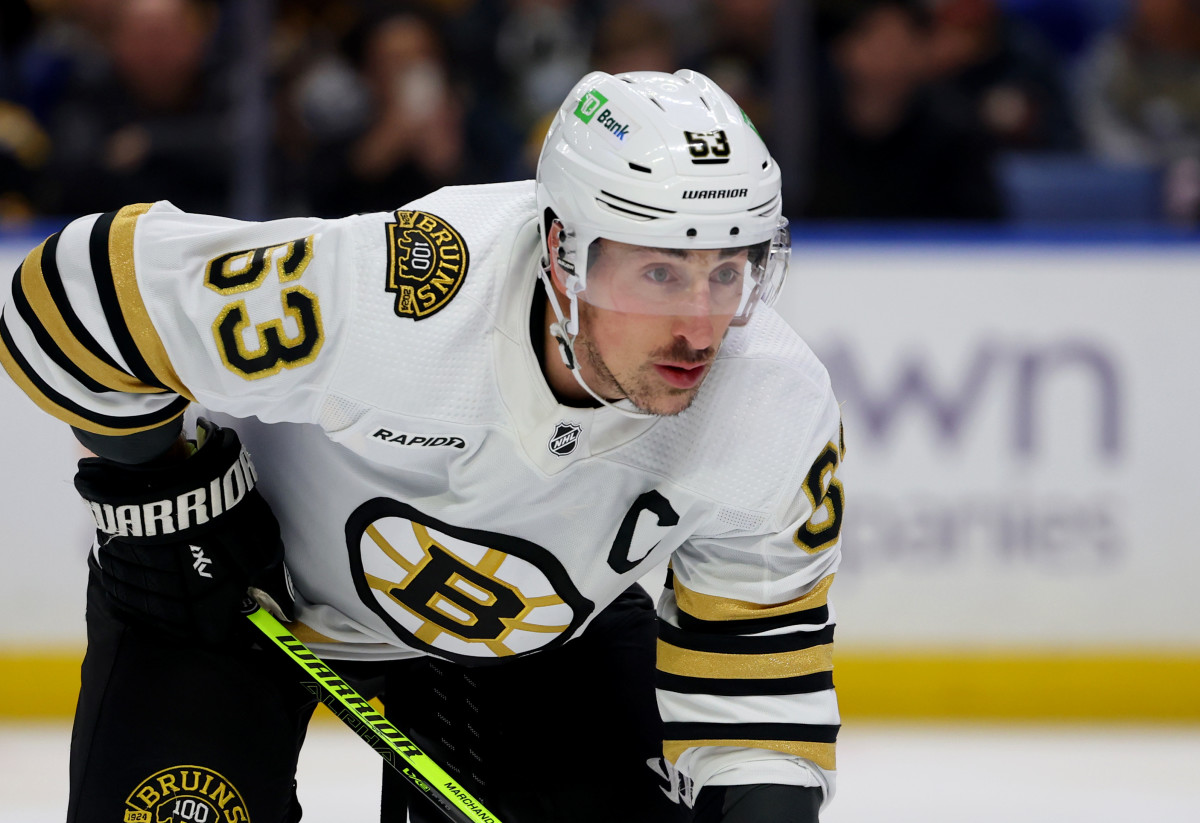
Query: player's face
[[655, 322]]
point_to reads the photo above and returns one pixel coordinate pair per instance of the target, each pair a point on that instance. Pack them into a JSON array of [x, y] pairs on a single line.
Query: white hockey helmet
[[666, 161]]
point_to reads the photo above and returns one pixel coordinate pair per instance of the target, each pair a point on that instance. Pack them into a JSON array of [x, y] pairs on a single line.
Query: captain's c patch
[[427, 263]]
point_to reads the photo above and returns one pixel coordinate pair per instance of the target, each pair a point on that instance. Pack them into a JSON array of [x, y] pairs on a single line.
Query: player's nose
[[696, 329]]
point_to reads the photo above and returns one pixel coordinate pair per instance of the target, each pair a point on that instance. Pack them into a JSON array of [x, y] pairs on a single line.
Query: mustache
[[680, 352]]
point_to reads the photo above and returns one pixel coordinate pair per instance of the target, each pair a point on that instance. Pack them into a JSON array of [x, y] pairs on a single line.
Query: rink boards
[[1022, 455]]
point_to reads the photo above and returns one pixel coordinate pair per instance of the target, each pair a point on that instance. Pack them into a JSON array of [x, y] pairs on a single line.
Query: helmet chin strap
[[565, 331]]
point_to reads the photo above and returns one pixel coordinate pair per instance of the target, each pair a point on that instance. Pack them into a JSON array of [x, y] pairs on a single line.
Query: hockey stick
[[397, 750]]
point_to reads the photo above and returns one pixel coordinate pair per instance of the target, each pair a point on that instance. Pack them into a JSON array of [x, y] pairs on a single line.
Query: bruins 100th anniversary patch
[[427, 262], [185, 794]]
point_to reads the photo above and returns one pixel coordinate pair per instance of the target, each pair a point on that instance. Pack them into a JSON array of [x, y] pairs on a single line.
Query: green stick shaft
[[393, 746]]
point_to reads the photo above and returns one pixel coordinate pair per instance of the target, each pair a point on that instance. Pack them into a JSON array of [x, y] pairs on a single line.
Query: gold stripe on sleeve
[[307, 634], [48, 314], [820, 753], [710, 607], [688, 663], [50, 407], [133, 308]]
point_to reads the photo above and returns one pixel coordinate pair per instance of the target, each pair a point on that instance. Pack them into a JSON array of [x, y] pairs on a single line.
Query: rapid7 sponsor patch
[[408, 439]]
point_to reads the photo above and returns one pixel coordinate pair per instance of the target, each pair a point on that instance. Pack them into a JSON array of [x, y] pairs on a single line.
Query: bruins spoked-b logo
[[463, 594], [427, 262], [185, 794]]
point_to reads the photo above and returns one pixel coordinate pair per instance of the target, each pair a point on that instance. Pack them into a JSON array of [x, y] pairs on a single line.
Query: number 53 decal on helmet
[[708, 148]]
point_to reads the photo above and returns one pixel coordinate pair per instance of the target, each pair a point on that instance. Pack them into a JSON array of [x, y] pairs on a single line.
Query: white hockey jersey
[[434, 496]]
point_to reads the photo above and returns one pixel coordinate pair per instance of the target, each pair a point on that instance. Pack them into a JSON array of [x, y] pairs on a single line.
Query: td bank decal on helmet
[[427, 263], [180, 793], [565, 438], [594, 106]]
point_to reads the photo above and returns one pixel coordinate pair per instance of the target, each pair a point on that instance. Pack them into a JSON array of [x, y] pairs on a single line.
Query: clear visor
[[648, 280]]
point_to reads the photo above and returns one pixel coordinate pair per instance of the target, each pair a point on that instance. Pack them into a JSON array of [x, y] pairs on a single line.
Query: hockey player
[[476, 422]]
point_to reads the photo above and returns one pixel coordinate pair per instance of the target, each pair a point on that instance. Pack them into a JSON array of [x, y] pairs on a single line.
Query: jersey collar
[[541, 423]]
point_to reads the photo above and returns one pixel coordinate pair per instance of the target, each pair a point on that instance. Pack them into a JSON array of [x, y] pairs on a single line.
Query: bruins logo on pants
[[185, 794], [463, 594], [427, 262]]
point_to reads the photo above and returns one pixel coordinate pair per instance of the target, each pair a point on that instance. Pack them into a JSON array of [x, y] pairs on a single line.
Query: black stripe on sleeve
[[807, 617], [47, 342], [804, 732], [803, 684], [58, 292], [729, 644], [149, 419], [107, 290]]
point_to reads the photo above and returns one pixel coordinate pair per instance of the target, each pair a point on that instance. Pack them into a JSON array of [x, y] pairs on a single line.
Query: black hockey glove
[[758, 803], [178, 544]]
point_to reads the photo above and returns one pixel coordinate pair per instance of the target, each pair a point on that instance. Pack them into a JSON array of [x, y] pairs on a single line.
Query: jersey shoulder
[[483, 208], [429, 280], [443, 249], [768, 342]]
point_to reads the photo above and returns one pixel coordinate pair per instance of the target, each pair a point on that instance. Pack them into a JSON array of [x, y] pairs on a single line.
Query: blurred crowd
[[877, 109]]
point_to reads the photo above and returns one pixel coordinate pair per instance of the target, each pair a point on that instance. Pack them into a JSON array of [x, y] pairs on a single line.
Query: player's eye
[[727, 276], [658, 275]]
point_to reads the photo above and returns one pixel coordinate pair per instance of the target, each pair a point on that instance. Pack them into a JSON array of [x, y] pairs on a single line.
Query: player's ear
[[554, 241]]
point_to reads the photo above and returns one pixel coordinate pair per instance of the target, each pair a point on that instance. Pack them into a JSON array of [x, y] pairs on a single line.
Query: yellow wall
[[1032, 686]]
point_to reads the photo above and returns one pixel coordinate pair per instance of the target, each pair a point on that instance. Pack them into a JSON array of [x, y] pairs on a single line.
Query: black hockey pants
[[166, 731]]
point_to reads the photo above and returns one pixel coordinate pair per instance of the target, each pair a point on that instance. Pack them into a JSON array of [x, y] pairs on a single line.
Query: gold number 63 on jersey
[[244, 271]]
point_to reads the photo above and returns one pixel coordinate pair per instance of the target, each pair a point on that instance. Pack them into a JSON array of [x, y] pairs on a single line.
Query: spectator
[[153, 125], [394, 130], [542, 48], [23, 143], [737, 56], [889, 144], [23, 150], [1068, 26], [629, 37], [1139, 99], [1007, 72], [47, 48], [633, 37]]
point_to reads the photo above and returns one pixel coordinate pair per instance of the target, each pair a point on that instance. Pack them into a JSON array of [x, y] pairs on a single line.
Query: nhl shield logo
[[427, 262], [565, 438]]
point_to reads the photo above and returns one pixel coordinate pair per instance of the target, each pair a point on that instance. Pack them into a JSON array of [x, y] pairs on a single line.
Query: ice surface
[[932, 773]]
